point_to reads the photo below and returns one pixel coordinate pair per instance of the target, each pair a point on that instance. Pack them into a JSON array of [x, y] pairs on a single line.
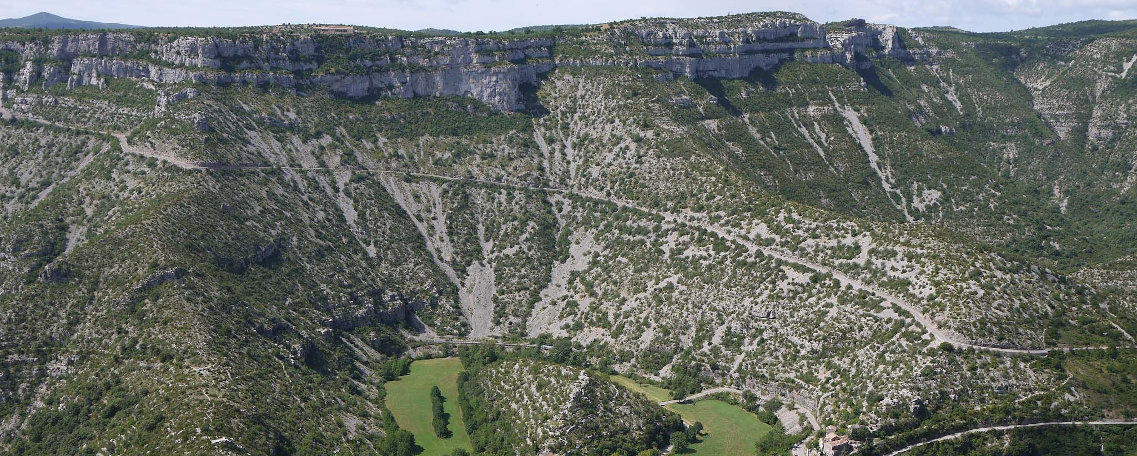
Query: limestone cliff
[[492, 69]]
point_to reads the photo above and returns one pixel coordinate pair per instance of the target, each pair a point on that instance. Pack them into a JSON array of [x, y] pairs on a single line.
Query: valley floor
[[408, 398], [728, 428]]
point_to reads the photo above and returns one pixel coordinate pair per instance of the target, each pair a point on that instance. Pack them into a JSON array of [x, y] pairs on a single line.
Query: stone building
[[834, 444]]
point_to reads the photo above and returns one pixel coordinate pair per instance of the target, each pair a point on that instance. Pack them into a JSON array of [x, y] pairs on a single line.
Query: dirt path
[[702, 394], [1013, 426], [122, 142], [151, 153], [726, 389]]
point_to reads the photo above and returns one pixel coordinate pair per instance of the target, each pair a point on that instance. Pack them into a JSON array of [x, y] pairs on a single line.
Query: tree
[[693, 431], [561, 351], [777, 442], [441, 420], [679, 441], [399, 443], [684, 382], [767, 417], [479, 355]]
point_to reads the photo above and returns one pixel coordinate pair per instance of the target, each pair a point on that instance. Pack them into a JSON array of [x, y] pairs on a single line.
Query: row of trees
[[441, 421]]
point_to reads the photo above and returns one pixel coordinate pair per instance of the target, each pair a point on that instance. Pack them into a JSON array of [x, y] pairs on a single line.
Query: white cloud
[[1119, 15]]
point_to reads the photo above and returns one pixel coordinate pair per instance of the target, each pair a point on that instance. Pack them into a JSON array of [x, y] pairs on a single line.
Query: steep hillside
[[160, 293], [244, 228]]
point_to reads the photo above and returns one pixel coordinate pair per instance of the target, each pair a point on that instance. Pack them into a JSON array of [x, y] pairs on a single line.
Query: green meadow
[[729, 430], [408, 399]]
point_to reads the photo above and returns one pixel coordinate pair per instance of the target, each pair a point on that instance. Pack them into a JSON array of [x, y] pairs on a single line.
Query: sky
[[474, 15]]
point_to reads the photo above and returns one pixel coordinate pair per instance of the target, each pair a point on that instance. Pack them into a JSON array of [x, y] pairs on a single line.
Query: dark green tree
[[679, 441], [693, 431], [441, 420]]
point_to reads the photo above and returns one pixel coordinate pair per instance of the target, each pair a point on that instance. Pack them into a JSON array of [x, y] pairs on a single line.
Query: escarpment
[[494, 69]]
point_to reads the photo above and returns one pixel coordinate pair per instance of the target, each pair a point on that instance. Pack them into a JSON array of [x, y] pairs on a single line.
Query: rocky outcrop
[[703, 49], [93, 71], [493, 70], [498, 86], [200, 123], [772, 35], [159, 278], [68, 47], [377, 307], [861, 40], [55, 272], [165, 99], [44, 74], [571, 412]]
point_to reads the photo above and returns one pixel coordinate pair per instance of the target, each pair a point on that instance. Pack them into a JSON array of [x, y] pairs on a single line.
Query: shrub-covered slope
[[231, 240], [531, 407]]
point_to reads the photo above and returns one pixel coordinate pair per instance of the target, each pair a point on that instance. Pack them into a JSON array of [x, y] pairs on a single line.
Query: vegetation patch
[[727, 428], [411, 400], [526, 406]]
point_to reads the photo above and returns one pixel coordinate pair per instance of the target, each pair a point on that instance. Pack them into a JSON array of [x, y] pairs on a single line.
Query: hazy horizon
[[475, 15]]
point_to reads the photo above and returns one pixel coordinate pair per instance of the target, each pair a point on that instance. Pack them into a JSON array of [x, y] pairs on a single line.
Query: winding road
[[702, 394], [480, 342], [1013, 426], [809, 416]]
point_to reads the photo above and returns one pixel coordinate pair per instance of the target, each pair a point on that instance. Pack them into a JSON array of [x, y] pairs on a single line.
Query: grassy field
[[729, 429], [408, 398], [652, 392]]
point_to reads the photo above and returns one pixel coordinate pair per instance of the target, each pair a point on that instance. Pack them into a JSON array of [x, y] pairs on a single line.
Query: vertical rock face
[[725, 48], [726, 53], [71, 46], [714, 49], [767, 35], [28, 73], [93, 70], [47, 74], [862, 39], [492, 70], [189, 51]]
